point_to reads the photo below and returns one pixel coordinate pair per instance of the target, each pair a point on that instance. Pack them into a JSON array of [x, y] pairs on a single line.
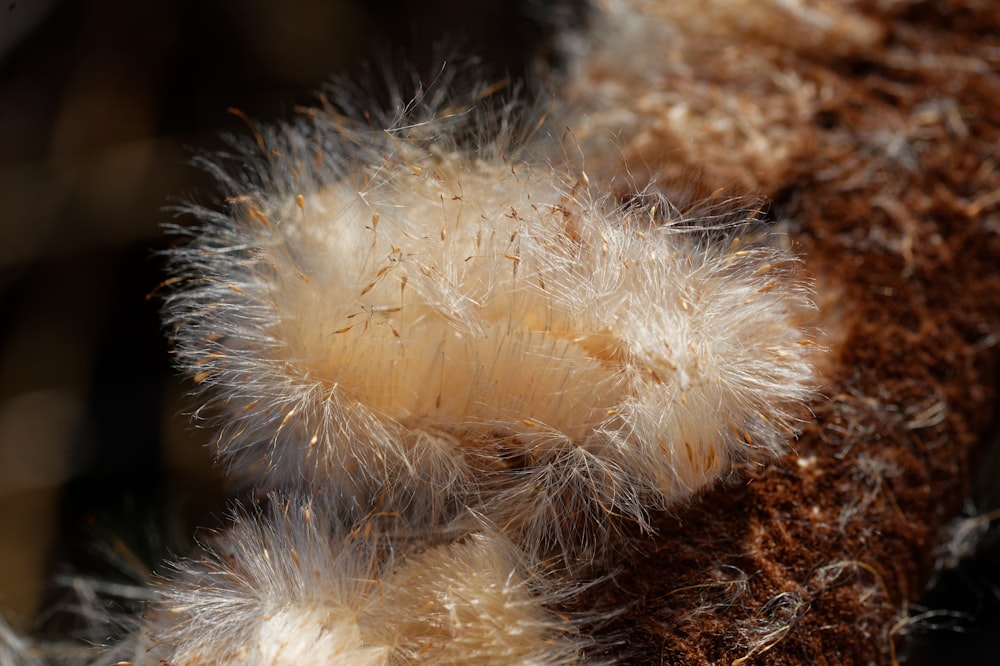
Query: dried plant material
[[724, 90], [870, 126]]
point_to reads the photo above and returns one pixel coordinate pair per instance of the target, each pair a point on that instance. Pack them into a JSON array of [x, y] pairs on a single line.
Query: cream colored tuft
[[424, 327], [289, 586]]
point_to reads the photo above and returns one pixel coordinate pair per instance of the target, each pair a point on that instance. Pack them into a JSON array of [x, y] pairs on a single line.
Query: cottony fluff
[[421, 326], [291, 586]]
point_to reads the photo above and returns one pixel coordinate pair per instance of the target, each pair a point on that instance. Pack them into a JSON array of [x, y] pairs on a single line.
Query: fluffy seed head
[[291, 585], [420, 326]]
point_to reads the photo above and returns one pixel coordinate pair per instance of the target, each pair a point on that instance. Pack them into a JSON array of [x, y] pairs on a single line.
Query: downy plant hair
[[434, 316], [289, 583]]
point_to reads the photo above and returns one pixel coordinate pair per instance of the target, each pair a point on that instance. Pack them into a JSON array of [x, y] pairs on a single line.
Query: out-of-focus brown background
[[103, 103]]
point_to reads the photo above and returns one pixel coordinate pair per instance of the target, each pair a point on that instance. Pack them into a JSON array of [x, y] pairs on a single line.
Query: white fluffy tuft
[[291, 586], [421, 327]]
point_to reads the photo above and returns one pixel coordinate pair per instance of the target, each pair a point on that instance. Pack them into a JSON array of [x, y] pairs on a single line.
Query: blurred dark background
[[103, 103]]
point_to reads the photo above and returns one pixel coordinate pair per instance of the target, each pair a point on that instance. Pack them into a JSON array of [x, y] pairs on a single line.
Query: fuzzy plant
[[458, 371], [463, 373], [492, 370], [426, 327], [443, 319], [290, 583]]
